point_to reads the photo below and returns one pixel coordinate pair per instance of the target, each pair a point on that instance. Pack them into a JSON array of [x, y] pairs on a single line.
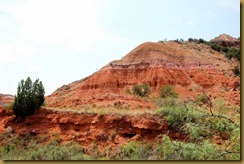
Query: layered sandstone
[[107, 130], [5, 99], [190, 67]]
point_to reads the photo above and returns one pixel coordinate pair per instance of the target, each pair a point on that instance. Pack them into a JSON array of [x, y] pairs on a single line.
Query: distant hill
[[6, 99], [226, 41], [190, 67]]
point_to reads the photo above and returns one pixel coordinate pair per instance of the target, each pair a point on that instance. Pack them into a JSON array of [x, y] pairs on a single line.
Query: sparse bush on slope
[[236, 70], [25, 148], [167, 91], [229, 52], [141, 90], [201, 98], [200, 125], [233, 53]]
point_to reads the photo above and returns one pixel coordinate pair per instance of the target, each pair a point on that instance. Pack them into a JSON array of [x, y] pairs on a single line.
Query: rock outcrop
[[107, 130], [190, 67]]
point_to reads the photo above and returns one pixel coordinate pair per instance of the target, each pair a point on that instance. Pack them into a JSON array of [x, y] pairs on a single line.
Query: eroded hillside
[[190, 67]]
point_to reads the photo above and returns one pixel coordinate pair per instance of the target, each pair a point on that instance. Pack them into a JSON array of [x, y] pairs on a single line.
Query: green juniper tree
[[30, 96]]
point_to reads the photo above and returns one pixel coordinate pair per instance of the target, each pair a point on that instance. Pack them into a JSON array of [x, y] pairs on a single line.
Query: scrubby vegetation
[[141, 90], [201, 125], [127, 90], [236, 70], [233, 53], [228, 51], [201, 99], [167, 91], [28, 148]]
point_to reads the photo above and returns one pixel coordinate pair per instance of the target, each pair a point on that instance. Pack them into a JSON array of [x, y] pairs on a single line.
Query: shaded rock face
[[226, 41], [191, 68], [5, 99]]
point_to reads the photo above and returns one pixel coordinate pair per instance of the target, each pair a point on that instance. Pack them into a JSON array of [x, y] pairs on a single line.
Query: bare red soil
[[107, 130]]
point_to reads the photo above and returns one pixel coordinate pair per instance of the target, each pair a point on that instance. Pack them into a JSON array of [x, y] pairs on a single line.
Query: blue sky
[[60, 41]]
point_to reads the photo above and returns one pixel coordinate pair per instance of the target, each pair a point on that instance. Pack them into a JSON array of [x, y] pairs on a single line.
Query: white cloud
[[3, 21], [31, 28], [70, 24], [190, 23], [27, 27], [18, 52], [208, 14], [6, 53], [32, 67], [231, 4]]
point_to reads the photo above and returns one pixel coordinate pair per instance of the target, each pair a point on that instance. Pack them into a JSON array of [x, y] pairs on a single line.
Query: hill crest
[[226, 40]]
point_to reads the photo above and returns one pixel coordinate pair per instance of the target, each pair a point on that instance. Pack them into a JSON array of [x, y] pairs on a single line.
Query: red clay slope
[[190, 67]]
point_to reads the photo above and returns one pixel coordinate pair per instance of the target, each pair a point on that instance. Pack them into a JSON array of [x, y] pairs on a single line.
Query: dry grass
[[88, 109]]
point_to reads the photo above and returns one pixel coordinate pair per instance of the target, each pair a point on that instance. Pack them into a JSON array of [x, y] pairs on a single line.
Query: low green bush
[[236, 70], [127, 90], [25, 148], [177, 150], [10, 106], [167, 91], [201, 98], [233, 53], [196, 122], [134, 151], [177, 114], [141, 90]]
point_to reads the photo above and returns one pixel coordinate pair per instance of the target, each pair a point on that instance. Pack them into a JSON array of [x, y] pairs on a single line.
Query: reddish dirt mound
[[226, 40], [190, 67]]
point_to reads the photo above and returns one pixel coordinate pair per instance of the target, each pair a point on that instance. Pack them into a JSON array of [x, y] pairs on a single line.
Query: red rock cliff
[[190, 67]]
